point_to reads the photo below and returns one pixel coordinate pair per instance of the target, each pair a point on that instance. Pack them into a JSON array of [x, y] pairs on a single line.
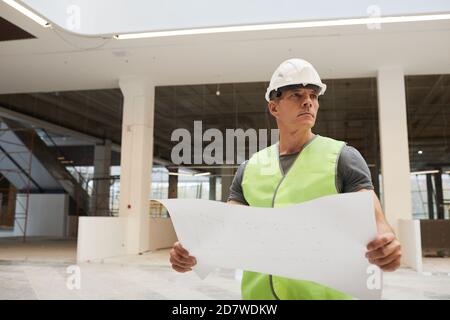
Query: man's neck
[[292, 141]]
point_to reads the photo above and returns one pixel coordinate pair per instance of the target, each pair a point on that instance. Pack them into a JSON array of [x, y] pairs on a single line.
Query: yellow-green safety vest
[[312, 175]]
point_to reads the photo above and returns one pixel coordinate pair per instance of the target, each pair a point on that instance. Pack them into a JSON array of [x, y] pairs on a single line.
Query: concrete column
[[136, 161], [227, 179], [173, 184], [102, 164], [395, 168], [430, 196], [212, 188], [439, 195]]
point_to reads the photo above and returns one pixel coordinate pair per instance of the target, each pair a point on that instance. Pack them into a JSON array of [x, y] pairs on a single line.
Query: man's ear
[[273, 108]]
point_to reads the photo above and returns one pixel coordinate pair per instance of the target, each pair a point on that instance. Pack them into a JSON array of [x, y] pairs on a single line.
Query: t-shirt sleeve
[[353, 173], [236, 192]]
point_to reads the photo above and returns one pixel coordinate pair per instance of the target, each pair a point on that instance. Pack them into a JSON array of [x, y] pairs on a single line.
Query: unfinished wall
[[47, 216]]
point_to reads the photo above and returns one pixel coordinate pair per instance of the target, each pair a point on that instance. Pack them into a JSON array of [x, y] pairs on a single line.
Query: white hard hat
[[292, 72]]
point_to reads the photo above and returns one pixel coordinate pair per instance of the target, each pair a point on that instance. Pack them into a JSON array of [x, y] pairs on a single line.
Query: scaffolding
[[18, 147]]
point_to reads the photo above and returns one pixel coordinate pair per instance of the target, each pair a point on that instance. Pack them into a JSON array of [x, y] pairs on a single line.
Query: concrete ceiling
[[58, 61], [97, 113], [9, 31]]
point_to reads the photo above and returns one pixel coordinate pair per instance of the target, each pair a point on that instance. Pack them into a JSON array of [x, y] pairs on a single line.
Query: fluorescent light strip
[[202, 174], [425, 172], [189, 174], [180, 174], [280, 26], [28, 13]]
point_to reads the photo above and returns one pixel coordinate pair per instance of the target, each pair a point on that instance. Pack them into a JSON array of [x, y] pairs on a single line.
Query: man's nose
[[307, 103]]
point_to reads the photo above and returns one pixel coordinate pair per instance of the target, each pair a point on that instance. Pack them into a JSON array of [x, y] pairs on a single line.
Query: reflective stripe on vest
[[312, 175]]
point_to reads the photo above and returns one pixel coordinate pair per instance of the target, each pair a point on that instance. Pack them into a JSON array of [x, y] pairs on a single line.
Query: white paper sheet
[[323, 240]]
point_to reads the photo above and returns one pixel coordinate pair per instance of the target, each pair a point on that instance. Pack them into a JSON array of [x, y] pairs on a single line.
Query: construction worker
[[310, 166]]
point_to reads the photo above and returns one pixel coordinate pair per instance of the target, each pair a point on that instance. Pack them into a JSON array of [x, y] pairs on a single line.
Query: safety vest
[[312, 175]]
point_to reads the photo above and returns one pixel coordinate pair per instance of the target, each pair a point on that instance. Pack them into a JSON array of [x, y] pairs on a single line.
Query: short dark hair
[[274, 94]]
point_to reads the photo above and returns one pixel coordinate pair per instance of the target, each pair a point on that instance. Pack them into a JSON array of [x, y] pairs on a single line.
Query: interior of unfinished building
[[86, 139]]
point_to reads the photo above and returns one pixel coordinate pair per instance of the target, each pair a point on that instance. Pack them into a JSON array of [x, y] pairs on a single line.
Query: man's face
[[296, 108]]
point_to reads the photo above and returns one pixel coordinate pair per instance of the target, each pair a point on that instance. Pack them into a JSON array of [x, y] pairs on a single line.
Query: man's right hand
[[180, 259]]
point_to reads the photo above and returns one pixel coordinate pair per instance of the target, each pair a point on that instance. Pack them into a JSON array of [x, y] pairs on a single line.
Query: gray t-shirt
[[352, 173]]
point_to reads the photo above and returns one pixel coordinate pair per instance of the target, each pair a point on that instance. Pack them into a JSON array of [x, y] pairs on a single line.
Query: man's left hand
[[385, 252]]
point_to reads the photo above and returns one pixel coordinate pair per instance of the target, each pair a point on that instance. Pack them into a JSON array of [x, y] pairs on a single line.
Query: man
[[310, 166]]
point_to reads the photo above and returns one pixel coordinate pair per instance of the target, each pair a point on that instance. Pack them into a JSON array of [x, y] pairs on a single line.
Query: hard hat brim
[[322, 86]]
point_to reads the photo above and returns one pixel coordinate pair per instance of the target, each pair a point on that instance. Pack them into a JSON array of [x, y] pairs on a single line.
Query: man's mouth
[[305, 113]]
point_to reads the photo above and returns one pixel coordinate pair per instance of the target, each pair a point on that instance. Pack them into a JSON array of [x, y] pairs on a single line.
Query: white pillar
[[136, 161], [102, 163], [394, 145], [395, 167]]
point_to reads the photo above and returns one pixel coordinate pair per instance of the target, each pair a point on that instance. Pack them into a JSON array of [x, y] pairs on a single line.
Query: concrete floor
[[38, 270]]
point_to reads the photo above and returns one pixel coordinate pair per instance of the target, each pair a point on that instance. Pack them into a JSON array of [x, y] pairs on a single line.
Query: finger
[[380, 241], [182, 270], [190, 260], [386, 260], [394, 265], [180, 250], [181, 261], [184, 255], [179, 246], [177, 263], [383, 251]]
